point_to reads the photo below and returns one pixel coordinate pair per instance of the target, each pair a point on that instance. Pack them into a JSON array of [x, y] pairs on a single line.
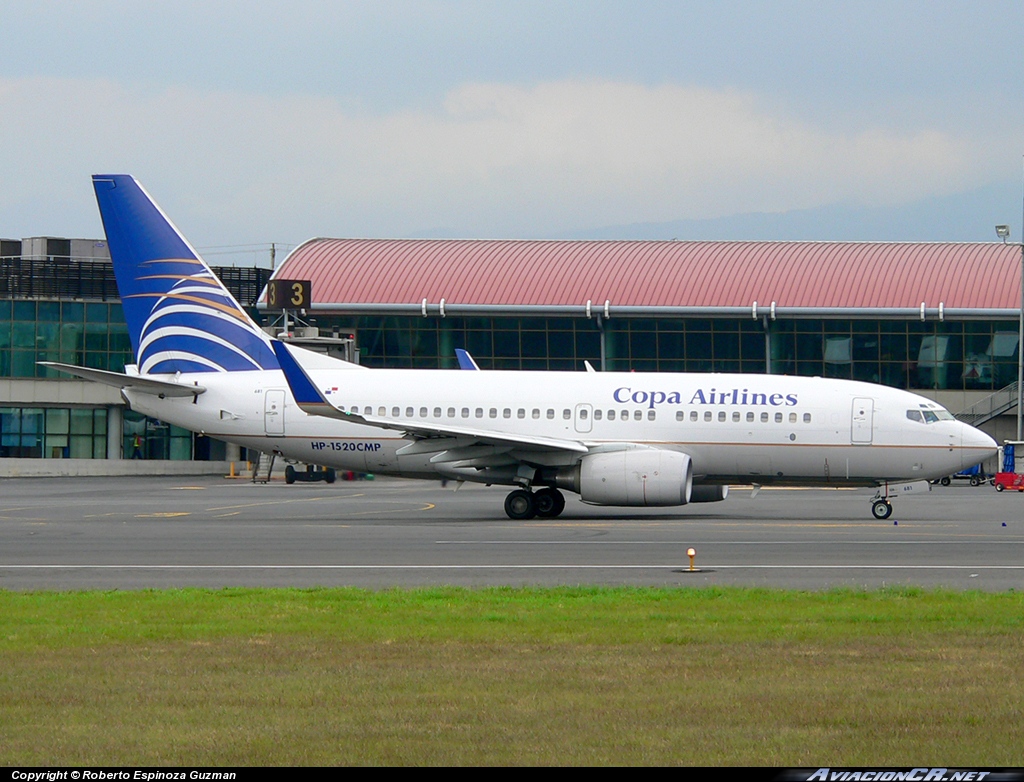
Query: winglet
[[466, 361], [307, 395]]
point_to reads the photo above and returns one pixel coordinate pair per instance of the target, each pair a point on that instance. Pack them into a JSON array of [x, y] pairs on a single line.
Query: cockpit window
[[930, 416]]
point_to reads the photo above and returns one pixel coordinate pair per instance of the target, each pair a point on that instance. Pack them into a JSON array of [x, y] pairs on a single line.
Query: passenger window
[[506, 413], [693, 415], [611, 415], [437, 412], [651, 414], [721, 415], [536, 412], [521, 413], [396, 412], [583, 414], [778, 418], [750, 418], [423, 412], [567, 414], [465, 412], [597, 414], [624, 415], [551, 413], [638, 415], [735, 416], [479, 412], [792, 418], [807, 418], [679, 415], [409, 412], [764, 418], [707, 415], [451, 412], [382, 411], [492, 413]]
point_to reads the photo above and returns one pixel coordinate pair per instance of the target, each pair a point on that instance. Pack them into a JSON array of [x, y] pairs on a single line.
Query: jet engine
[[709, 493], [635, 477]]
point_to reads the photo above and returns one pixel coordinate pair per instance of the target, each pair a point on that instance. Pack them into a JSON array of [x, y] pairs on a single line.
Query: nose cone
[[975, 446]]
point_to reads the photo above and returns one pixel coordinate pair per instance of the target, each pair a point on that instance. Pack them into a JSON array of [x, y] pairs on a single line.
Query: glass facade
[[970, 355], [53, 432], [86, 333]]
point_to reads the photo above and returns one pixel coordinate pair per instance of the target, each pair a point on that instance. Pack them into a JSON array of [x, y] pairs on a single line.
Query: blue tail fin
[[180, 316]]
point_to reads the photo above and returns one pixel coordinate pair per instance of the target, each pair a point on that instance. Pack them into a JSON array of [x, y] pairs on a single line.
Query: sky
[[279, 121]]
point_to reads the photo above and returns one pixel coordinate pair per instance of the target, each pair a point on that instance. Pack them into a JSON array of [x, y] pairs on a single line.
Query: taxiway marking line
[[703, 567]]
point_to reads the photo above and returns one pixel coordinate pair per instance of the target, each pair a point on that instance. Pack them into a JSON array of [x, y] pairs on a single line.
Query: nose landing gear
[[881, 509]]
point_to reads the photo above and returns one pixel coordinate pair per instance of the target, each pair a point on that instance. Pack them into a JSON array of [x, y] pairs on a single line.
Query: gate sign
[[289, 294]]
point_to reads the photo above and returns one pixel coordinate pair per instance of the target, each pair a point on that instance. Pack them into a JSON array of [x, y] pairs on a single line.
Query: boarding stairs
[[993, 405], [262, 467]]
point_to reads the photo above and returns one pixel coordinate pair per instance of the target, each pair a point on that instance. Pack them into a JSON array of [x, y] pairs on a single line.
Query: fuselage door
[[862, 421], [273, 412], [584, 418]]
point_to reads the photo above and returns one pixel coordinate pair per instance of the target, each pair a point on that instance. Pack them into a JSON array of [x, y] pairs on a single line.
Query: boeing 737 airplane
[[623, 439]]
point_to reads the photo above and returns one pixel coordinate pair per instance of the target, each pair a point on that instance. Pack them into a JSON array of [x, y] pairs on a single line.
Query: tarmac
[[158, 532]]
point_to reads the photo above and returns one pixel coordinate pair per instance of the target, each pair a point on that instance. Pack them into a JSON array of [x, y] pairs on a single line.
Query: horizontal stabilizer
[[146, 385]]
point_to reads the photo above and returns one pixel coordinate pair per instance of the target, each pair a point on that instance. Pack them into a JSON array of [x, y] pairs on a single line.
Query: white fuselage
[[735, 428]]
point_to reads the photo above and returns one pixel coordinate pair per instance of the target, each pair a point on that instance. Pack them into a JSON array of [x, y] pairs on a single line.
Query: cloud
[[491, 160]]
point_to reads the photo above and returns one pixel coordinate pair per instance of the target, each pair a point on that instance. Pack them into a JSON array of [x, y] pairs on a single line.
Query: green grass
[[512, 676]]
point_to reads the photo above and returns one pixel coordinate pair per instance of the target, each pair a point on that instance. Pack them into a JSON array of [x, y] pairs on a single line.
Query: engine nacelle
[[709, 493], [646, 476]]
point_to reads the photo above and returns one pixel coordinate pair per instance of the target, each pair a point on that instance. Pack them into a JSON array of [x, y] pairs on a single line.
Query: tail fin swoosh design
[[180, 317]]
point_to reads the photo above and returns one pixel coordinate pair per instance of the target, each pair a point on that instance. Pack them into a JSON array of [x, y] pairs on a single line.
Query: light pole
[[1003, 232]]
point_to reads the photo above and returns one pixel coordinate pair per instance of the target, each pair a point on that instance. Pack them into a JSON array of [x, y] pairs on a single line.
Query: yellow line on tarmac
[[285, 502]]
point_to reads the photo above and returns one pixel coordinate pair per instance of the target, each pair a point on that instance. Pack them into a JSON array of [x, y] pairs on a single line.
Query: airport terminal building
[[937, 318]]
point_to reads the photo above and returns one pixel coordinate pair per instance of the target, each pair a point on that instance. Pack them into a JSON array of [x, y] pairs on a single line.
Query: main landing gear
[[545, 503]]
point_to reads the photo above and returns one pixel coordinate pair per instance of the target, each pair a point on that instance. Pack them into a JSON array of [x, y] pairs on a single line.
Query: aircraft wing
[[310, 399], [147, 385]]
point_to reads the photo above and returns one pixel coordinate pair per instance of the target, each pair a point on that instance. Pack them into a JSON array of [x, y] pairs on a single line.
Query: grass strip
[[512, 676]]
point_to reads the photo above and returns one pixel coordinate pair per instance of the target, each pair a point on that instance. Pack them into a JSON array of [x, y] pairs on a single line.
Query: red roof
[[658, 274]]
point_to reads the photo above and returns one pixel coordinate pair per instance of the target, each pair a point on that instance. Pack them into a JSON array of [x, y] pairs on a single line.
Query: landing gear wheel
[[945, 481], [550, 503], [520, 505], [289, 474], [881, 509], [330, 475]]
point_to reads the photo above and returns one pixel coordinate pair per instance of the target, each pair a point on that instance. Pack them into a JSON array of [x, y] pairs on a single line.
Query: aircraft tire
[[330, 475], [550, 503], [881, 509], [520, 505], [289, 474]]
